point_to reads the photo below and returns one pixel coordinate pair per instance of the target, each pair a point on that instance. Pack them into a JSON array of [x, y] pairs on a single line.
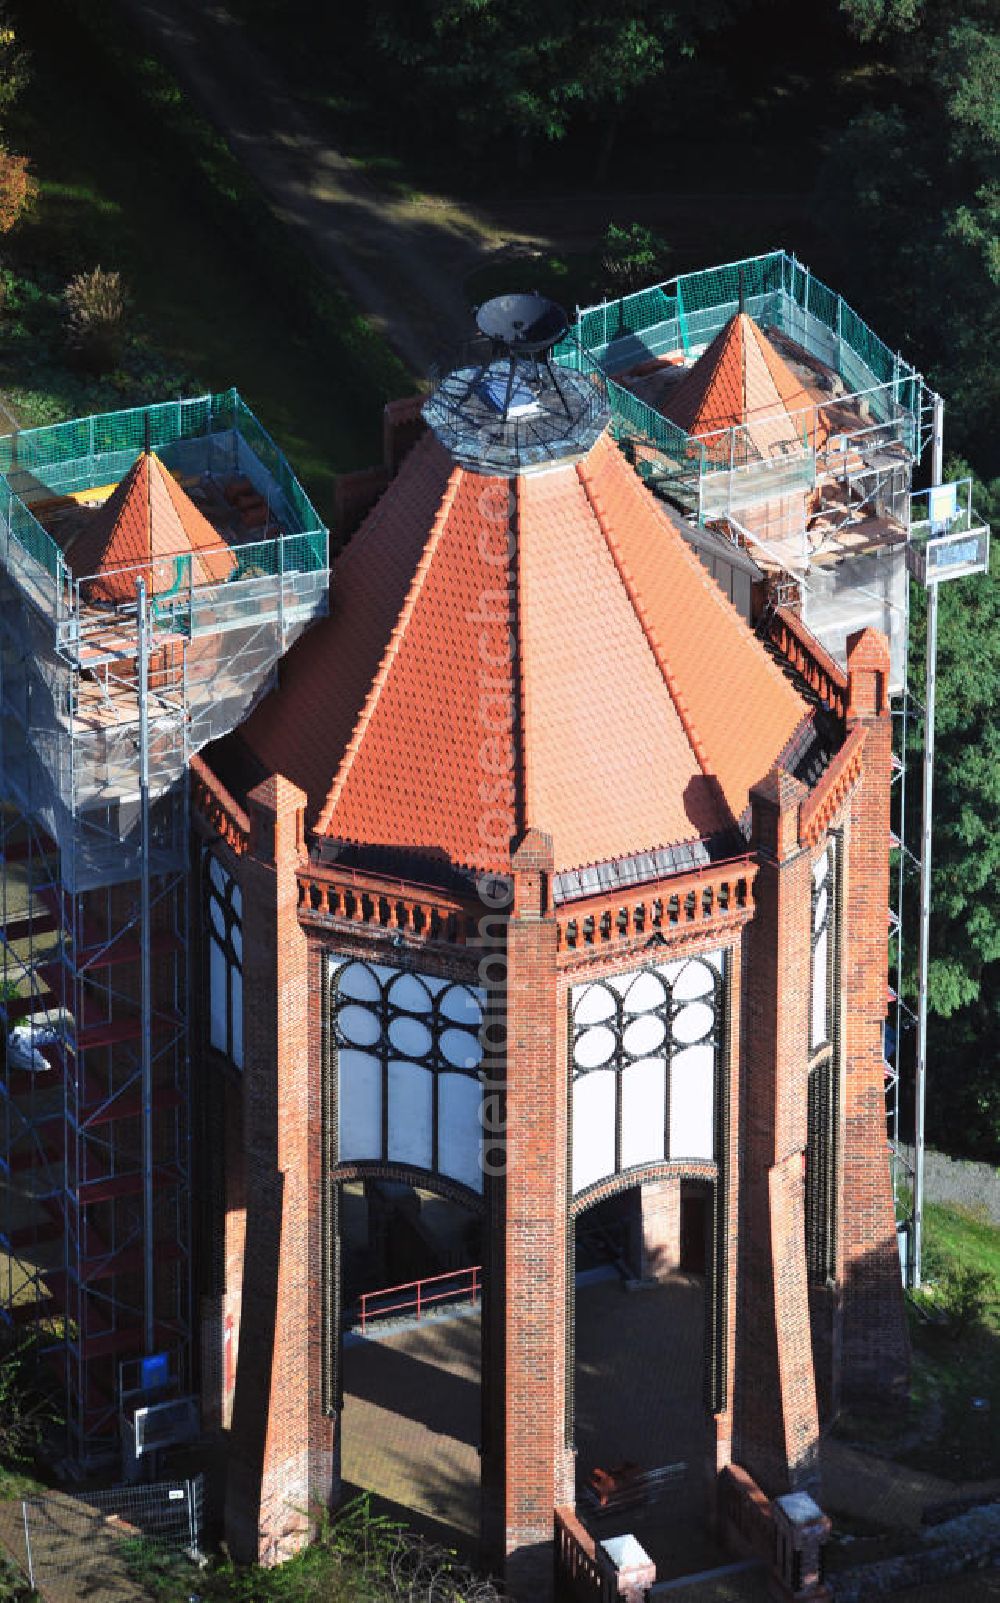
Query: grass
[[13, 1587], [943, 1432], [966, 1235], [133, 178], [358, 1557], [952, 1371]]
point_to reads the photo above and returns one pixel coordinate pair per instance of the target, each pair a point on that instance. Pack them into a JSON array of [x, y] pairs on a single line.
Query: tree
[[633, 257], [23, 1411], [524, 71], [912, 191], [18, 190], [964, 974], [17, 187], [13, 64]]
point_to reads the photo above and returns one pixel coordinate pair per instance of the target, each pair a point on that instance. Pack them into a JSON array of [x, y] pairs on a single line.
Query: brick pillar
[[527, 1469], [656, 1252], [777, 1427], [281, 1465], [875, 1346]]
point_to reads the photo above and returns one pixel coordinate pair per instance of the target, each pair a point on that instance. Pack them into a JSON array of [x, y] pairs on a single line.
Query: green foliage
[[955, 1346], [13, 64], [13, 1587], [95, 305], [39, 382], [24, 1410], [912, 190], [221, 293], [633, 257], [964, 976], [358, 1557], [527, 71], [967, 1296]]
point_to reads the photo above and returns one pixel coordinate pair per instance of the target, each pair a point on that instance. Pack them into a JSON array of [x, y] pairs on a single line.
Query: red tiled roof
[[741, 379], [583, 675], [146, 522]]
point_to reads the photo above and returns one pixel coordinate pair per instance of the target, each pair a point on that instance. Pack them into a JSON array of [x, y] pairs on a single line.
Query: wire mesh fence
[[99, 1545]]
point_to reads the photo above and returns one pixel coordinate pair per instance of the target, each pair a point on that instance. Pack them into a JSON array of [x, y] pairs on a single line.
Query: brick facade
[[776, 1346], [874, 1356], [657, 1250], [527, 1467], [777, 1424], [281, 1464]]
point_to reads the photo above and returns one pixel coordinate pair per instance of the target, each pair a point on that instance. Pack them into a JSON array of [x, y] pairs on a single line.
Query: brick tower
[[548, 883]]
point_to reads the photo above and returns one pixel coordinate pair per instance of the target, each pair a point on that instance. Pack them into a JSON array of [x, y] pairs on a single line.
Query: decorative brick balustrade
[[222, 811], [805, 654], [718, 895], [375, 903], [745, 1516], [828, 796], [577, 1564]]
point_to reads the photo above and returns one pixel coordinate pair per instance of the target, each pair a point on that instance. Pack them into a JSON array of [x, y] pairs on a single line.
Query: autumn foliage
[[17, 189]]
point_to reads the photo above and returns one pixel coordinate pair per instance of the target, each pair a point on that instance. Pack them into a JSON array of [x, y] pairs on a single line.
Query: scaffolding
[[824, 511], [824, 507], [102, 705]]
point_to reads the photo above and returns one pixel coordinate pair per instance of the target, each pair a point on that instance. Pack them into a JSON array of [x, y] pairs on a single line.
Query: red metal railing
[[453, 1286]]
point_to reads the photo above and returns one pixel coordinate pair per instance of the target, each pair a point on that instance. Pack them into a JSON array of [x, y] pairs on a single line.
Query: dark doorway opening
[[639, 1375], [411, 1355]]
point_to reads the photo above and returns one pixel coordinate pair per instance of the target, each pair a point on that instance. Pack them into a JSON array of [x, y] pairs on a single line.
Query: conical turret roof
[[146, 524], [543, 650], [741, 379]]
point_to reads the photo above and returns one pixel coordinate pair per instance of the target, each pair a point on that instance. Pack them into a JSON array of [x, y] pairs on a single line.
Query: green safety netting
[[689, 310], [89, 452], [633, 417]]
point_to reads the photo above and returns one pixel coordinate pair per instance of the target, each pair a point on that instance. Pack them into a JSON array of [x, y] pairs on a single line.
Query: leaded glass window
[[645, 1052], [823, 1093], [224, 919], [408, 1060]]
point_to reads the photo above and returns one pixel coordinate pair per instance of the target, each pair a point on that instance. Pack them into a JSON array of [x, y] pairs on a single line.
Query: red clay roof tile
[[146, 522], [741, 379], [545, 653]]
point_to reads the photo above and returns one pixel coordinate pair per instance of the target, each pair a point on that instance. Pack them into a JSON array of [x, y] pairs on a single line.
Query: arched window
[[645, 1053], [408, 1060], [224, 924], [822, 1113]]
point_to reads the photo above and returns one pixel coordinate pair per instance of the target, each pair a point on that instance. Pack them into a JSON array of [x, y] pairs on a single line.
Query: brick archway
[[656, 1409], [406, 1384]]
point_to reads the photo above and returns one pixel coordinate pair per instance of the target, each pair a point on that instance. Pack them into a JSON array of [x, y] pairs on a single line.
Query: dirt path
[[76, 1555], [403, 258]]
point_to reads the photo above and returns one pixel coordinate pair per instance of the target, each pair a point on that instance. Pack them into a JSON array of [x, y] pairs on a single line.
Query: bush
[[633, 257], [24, 1412], [967, 1295], [18, 190], [95, 305]]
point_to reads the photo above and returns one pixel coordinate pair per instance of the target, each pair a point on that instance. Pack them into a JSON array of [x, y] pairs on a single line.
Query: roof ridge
[[654, 644], [779, 370], [427, 446], [711, 588], [146, 469], [744, 392], [391, 651]]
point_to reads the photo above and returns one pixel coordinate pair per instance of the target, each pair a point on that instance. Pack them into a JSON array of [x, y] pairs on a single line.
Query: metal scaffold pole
[[145, 981], [926, 854]]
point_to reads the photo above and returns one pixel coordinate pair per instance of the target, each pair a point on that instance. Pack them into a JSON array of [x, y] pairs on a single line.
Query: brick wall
[[874, 1343], [659, 1229], [776, 1418], [281, 1464], [527, 1470]]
